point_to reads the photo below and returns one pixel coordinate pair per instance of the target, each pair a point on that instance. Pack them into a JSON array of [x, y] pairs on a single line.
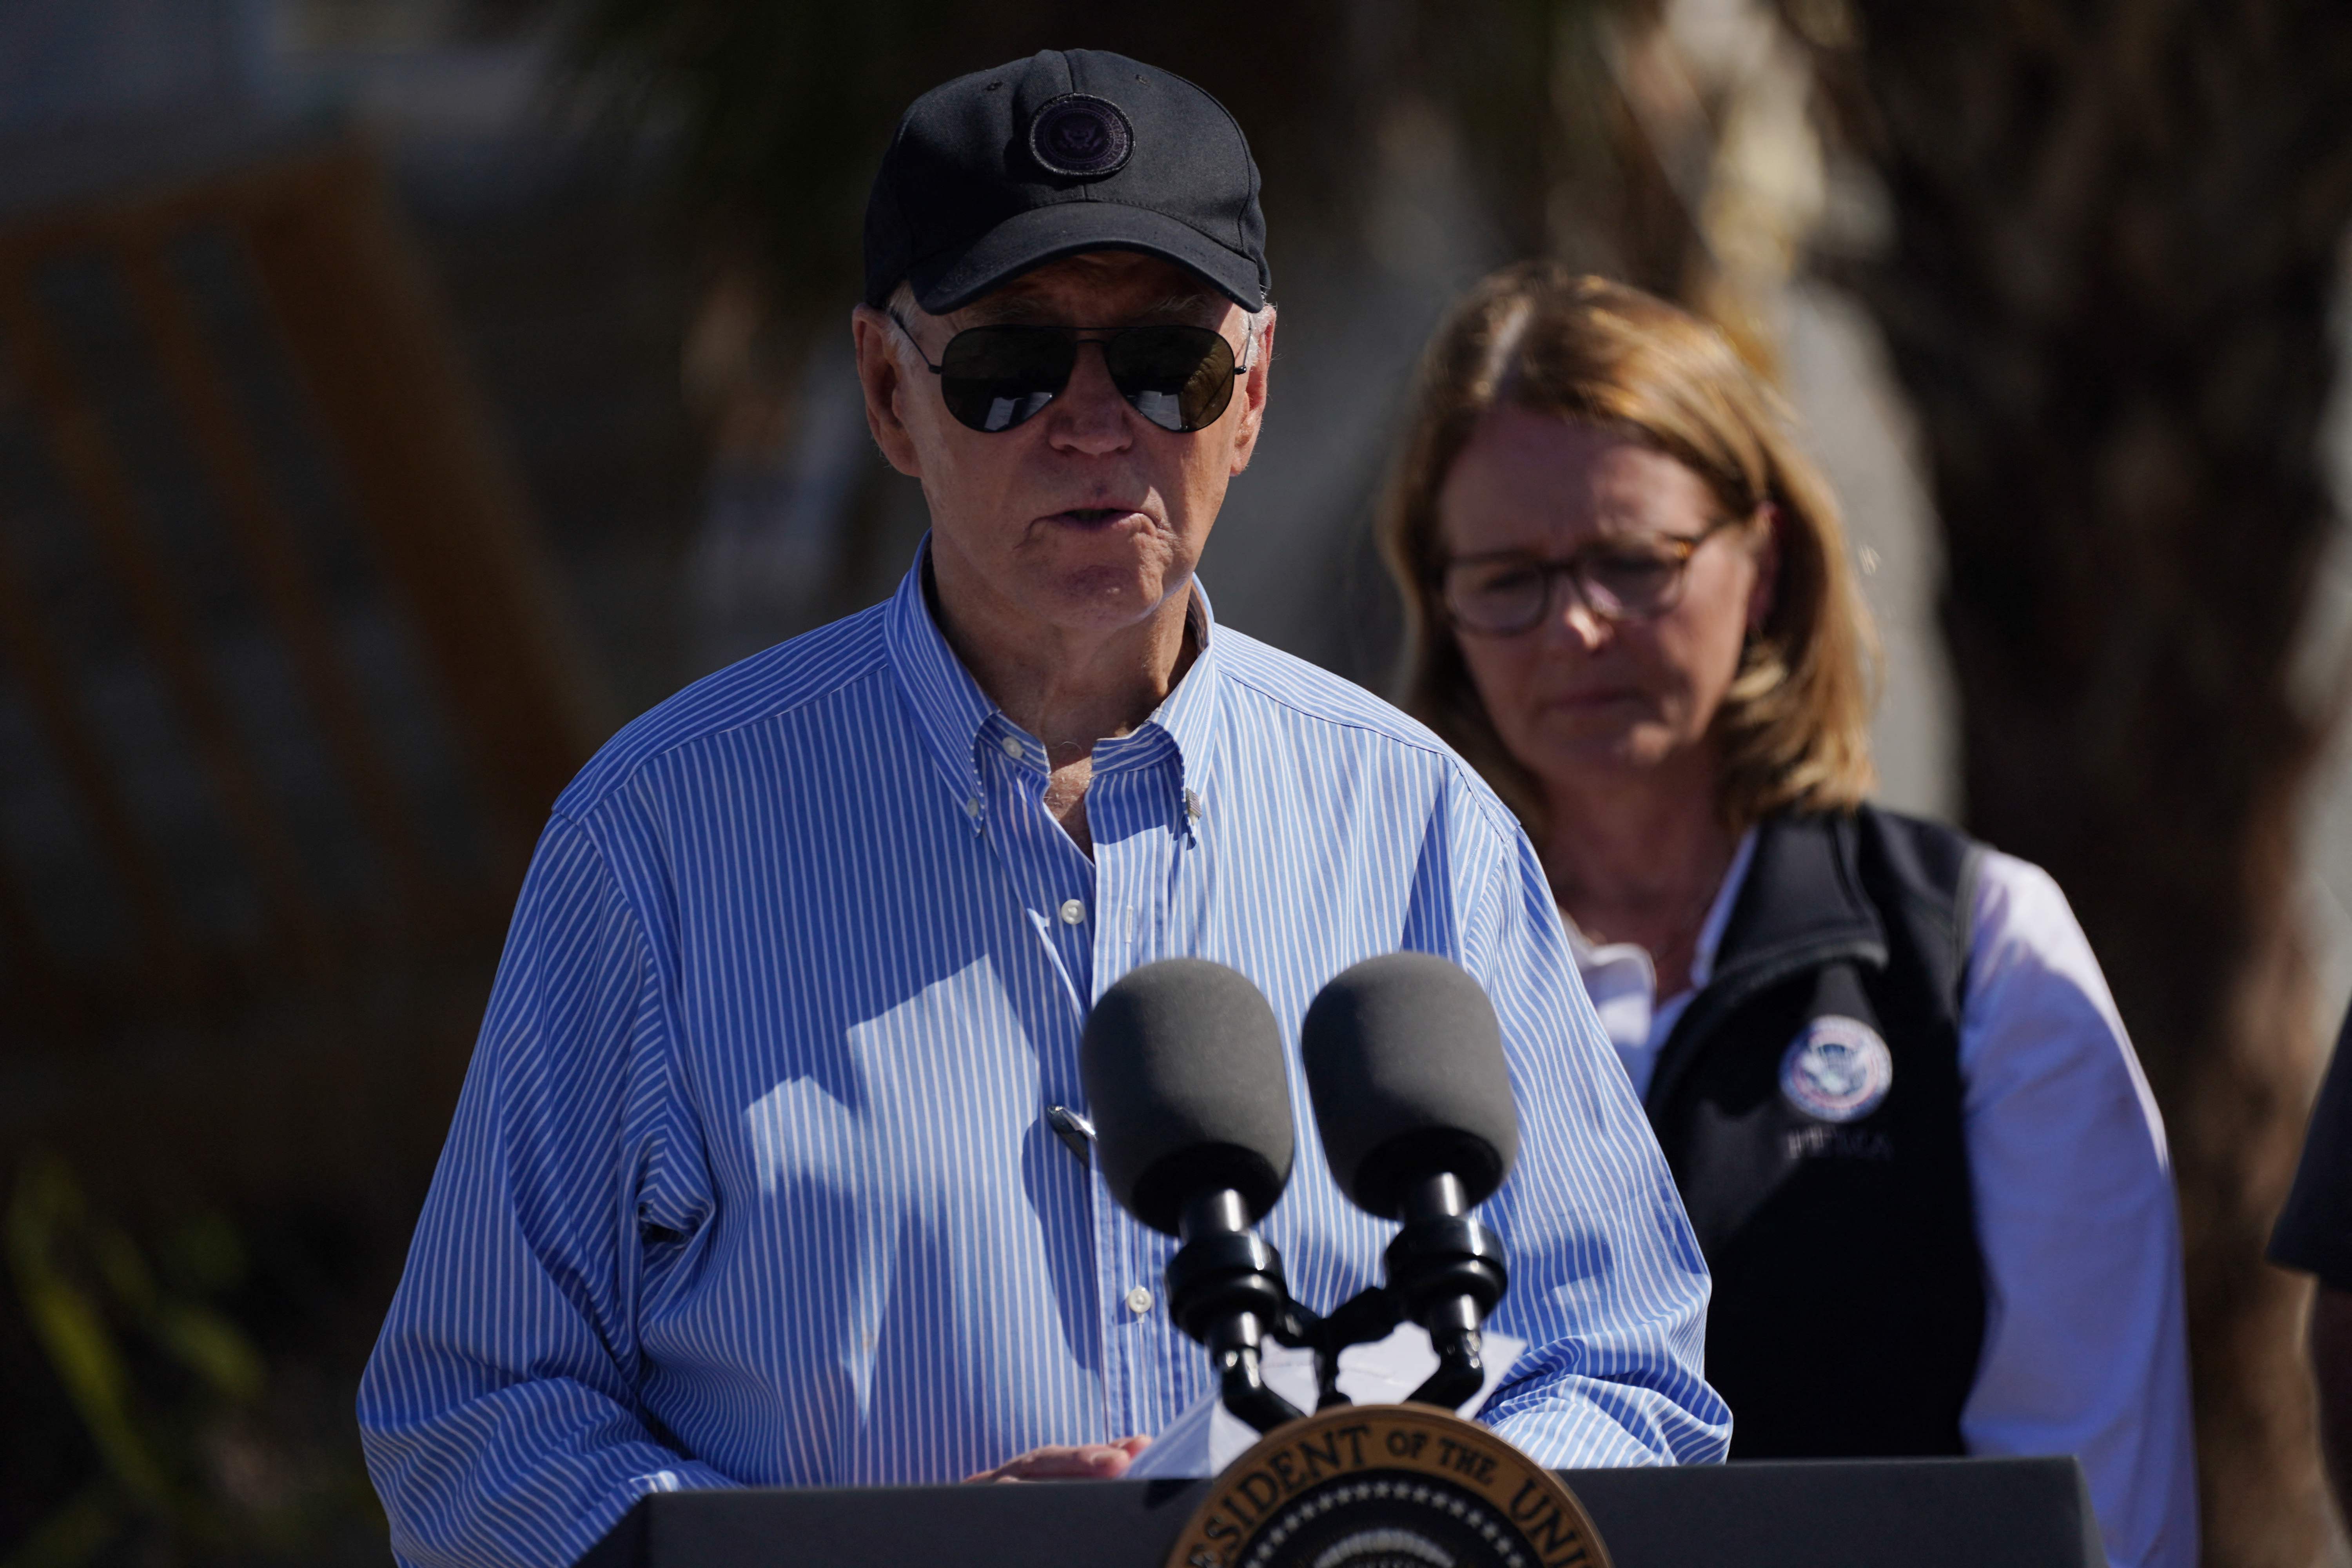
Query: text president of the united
[[753, 1179]]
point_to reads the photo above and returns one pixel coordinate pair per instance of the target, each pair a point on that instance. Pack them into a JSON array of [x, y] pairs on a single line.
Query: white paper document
[[1207, 1438]]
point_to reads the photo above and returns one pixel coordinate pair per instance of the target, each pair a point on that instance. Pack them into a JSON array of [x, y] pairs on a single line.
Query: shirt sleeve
[[2314, 1229], [1607, 1283], [497, 1413], [2084, 1348]]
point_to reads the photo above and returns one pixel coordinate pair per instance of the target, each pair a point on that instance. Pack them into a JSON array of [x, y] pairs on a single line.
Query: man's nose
[[1090, 415]]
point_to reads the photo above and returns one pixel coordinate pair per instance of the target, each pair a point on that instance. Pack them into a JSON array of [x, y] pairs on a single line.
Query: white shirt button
[[971, 806], [1012, 747], [1138, 1300], [1074, 913], [1192, 805]]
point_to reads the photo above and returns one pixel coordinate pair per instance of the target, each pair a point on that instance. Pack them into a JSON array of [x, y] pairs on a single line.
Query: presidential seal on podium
[[1387, 1486]]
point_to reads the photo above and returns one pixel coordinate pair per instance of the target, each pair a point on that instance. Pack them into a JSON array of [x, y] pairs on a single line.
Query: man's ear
[[1252, 395], [883, 380]]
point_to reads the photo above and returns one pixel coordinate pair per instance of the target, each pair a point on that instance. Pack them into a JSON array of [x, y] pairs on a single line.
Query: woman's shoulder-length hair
[[1793, 730]]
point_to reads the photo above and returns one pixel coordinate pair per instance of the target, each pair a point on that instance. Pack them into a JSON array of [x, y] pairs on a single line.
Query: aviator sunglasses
[[992, 378]]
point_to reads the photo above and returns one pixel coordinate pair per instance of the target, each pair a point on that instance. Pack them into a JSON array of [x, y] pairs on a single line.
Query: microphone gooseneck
[[1447, 1273], [1413, 1096], [1225, 1288]]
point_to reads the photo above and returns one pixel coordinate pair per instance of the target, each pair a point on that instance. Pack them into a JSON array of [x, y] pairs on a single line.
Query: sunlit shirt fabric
[[2085, 1346], [752, 1179]]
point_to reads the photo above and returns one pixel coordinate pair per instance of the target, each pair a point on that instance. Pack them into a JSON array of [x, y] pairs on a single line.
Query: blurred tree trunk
[[2116, 234], [1681, 157]]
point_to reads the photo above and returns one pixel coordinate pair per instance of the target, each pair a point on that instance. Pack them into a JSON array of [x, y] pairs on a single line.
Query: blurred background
[[396, 395]]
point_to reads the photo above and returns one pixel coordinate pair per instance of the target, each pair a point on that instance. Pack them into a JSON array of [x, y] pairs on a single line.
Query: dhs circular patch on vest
[[1837, 1070], [1080, 137]]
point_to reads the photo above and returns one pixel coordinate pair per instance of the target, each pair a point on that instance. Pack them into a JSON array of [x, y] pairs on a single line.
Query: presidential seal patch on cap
[[1387, 1486], [1837, 1070], [1080, 137]]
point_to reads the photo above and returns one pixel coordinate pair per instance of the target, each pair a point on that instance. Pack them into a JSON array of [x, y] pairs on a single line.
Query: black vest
[[1809, 1102]]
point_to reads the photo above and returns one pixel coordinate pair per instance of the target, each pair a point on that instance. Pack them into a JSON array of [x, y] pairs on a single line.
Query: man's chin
[[1103, 582], [1099, 602], [1087, 580]]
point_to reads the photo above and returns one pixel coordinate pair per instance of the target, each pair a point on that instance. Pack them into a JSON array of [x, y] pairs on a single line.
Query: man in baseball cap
[[773, 1165]]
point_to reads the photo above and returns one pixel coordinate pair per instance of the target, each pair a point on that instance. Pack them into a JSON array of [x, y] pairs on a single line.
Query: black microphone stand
[[1225, 1288], [1447, 1271]]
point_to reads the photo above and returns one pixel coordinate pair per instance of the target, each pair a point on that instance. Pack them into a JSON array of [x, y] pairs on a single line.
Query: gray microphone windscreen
[[1183, 1064], [1404, 1063]]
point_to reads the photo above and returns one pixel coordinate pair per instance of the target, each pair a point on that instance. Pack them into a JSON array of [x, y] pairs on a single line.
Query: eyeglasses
[[993, 378], [1504, 593]]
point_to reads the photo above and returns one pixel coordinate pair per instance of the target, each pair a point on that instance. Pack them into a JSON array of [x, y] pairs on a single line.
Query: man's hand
[[1091, 1462]]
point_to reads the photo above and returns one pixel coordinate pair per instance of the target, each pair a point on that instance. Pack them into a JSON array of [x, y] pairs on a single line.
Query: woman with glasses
[[1911, 1135]]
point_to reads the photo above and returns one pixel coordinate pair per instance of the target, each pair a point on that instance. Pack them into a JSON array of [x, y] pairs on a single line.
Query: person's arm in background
[[2314, 1237], [498, 1412], [1607, 1284], [2085, 1338]]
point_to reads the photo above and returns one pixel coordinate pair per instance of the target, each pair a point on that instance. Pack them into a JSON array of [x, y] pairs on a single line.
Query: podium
[[1914, 1513]]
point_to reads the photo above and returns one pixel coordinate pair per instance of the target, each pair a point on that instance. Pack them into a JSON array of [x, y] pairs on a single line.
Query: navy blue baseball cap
[[1071, 150]]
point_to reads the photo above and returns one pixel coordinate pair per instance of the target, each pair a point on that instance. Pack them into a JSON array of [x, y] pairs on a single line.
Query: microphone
[[1404, 1066], [1182, 1066]]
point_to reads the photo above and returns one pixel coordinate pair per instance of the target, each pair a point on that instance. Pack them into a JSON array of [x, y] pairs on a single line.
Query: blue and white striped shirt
[[751, 1180]]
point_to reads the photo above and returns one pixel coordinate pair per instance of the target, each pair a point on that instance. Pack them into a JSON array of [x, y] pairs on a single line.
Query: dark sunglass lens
[[1180, 378], [992, 378]]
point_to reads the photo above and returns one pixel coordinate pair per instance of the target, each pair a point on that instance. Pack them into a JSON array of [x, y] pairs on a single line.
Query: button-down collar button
[[1073, 912], [1012, 747], [1192, 805], [1138, 1300], [972, 807]]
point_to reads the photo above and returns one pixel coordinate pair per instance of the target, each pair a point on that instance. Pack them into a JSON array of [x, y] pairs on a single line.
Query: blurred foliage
[[778, 112], [169, 1390]]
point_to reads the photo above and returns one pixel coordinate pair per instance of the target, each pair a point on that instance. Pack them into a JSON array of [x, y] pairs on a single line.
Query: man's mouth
[[1093, 516]]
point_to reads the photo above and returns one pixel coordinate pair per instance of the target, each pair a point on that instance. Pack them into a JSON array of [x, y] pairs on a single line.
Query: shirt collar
[[950, 710]]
